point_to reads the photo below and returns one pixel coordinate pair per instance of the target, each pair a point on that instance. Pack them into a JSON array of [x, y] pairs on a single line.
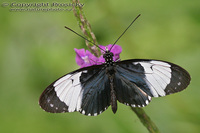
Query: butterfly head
[[108, 56]]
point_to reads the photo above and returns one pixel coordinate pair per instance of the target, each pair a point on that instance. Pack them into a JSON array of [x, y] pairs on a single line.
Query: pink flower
[[86, 58]]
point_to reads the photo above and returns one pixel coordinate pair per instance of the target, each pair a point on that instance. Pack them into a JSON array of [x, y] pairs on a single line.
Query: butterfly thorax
[[108, 56], [109, 63]]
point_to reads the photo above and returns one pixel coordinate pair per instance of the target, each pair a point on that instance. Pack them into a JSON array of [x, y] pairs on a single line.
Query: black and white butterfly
[[91, 90]]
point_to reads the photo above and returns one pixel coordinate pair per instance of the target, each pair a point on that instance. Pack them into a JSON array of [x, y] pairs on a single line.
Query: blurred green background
[[36, 49]]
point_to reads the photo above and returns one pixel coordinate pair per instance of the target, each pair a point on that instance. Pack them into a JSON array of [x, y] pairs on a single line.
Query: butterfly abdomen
[[113, 101]]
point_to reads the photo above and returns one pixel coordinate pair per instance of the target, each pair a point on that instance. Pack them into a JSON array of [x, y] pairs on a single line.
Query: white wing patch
[[158, 75], [68, 90]]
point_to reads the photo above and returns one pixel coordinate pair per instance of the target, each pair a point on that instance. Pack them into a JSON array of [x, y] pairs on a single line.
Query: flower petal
[[92, 59], [79, 54], [116, 49], [86, 58]]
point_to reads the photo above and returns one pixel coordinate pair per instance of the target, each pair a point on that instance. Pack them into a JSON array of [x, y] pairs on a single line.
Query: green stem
[[87, 31], [145, 119]]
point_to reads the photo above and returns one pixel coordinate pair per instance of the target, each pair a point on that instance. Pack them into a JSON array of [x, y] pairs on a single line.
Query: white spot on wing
[[95, 114], [48, 100], [126, 104], [85, 71], [135, 63], [149, 98], [83, 112], [51, 105], [133, 105], [147, 102]]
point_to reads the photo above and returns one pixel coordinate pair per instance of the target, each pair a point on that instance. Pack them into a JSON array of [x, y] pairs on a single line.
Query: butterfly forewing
[[85, 90], [154, 77], [96, 91]]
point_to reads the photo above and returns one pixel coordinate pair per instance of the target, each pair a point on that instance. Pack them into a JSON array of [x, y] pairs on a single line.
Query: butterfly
[[91, 90]]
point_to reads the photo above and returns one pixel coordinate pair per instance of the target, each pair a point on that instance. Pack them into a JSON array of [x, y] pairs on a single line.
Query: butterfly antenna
[[83, 37], [124, 31]]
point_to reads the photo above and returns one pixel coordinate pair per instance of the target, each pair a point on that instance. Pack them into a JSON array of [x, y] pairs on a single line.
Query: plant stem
[[145, 119], [86, 29]]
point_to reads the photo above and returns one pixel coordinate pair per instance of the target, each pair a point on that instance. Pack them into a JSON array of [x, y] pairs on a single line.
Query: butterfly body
[[110, 72]]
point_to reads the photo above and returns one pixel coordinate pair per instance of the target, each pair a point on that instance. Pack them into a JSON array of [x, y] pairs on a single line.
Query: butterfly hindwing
[[128, 92], [85, 90], [154, 78]]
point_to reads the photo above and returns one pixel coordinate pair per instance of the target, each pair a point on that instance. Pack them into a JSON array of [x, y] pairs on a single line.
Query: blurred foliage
[[36, 49]]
